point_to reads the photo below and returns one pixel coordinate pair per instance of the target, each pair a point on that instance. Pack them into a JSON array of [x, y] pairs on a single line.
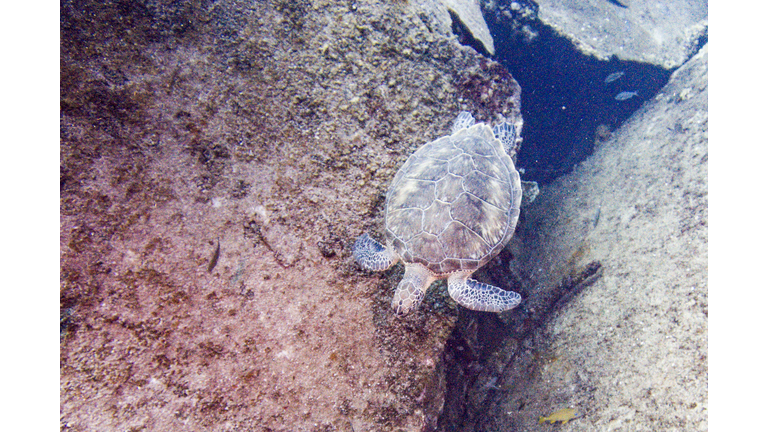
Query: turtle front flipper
[[463, 121], [410, 291], [372, 255], [479, 296]]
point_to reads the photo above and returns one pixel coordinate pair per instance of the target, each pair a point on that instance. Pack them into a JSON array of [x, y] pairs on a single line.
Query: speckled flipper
[[410, 291], [463, 121], [479, 296], [372, 255], [505, 133]]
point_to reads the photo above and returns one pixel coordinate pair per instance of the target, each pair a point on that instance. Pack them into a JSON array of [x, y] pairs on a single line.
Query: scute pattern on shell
[[454, 203]]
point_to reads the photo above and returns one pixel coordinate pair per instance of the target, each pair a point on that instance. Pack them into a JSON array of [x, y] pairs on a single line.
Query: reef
[[217, 159]]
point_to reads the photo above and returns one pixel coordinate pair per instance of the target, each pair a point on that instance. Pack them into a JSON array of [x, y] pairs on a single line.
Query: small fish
[[562, 416], [625, 95], [614, 76], [215, 257], [597, 218]]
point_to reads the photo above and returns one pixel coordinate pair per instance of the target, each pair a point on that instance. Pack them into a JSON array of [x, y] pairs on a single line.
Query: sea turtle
[[451, 208]]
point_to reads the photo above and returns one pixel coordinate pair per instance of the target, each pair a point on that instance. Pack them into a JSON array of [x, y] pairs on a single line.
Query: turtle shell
[[455, 202]]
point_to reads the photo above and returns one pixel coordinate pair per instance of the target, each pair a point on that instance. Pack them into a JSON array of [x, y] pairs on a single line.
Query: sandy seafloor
[[273, 130]]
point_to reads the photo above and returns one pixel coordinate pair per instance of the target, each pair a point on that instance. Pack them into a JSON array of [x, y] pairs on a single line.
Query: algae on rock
[[271, 128]]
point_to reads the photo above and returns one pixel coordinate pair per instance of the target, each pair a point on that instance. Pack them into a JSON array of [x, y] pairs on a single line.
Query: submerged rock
[[665, 34], [625, 236], [470, 14], [273, 127]]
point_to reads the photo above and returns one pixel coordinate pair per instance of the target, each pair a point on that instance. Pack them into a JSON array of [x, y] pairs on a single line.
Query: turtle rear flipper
[[410, 291], [479, 296], [372, 255]]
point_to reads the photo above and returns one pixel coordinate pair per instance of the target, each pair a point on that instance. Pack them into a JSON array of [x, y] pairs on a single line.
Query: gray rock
[[471, 16], [660, 33], [468, 12], [629, 350], [274, 127]]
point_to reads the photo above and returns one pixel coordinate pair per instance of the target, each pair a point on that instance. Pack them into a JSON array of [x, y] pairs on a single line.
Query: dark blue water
[[565, 96]]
